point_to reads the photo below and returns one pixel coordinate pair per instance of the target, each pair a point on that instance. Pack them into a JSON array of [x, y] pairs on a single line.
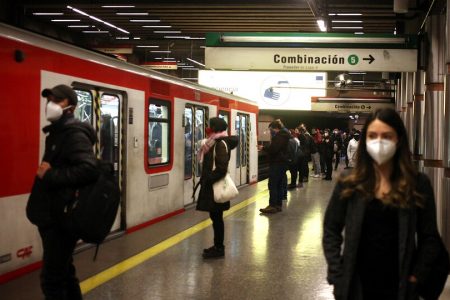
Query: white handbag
[[224, 189]]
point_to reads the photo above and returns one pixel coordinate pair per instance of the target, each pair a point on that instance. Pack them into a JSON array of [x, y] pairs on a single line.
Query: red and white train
[[147, 123]]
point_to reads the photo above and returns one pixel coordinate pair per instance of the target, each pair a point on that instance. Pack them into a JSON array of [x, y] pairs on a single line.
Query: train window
[[158, 132], [84, 107], [109, 128], [199, 134], [225, 115], [188, 141]]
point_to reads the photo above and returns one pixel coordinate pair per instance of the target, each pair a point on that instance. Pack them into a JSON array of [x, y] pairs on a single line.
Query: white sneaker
[[316, 176]]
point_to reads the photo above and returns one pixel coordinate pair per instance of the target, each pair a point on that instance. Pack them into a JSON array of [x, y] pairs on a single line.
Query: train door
[[194, 132], [242, 159], [102, 108]]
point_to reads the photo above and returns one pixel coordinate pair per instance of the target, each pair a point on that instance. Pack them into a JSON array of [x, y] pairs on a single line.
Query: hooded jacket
[[68, 149], [205, 200], [278, 148]]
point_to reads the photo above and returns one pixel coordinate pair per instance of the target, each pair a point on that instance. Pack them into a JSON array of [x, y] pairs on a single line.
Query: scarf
[[206, 144]]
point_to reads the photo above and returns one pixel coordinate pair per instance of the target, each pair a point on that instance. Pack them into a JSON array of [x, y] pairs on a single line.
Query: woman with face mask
[[374, 216]]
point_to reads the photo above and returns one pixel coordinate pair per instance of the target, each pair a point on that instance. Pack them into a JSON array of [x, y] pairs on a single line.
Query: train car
[[148, 124]]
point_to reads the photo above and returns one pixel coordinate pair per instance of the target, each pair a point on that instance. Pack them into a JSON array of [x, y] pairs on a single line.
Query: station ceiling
[[180, 26]]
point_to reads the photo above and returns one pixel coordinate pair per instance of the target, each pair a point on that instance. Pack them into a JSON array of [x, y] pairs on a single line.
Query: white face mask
[[54, 112], [381, 150]]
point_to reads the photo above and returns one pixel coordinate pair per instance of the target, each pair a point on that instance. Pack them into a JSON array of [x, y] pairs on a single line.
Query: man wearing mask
[[328, 153], [351, 149], [337, 146], [68, 163], [277, 151]]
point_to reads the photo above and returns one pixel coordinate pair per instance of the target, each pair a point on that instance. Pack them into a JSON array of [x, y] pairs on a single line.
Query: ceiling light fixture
[[143, 20], [47, 14], [95, 31], [195, 62], [97, 19], [321, 24], [348, 21], [157, 26], [195, 38], [118, 6], [359, 32], [166, 31], [347, 27], [176, 37], [160, 51], [147, 46], [122, 38], [79, 26], [132, 14], [66, 20], [136, 38]]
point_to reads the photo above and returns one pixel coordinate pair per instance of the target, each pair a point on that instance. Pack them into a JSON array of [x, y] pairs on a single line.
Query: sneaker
[[268, 210], [213, 252], [316, 176]]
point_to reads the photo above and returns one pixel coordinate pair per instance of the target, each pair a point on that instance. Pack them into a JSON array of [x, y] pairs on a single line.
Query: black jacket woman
[[215, 151], [381, 204]]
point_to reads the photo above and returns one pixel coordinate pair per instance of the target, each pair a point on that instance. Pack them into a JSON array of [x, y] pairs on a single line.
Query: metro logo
[[24, 252]]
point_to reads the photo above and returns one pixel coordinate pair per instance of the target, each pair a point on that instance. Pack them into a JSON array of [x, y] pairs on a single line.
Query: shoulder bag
[[224, 189]]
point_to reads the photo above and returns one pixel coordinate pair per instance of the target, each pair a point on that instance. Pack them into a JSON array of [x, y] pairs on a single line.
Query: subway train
[[148, 125]]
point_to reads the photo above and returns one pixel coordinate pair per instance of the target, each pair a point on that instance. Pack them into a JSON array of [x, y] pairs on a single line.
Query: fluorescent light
[[169, 58], [157, 26], [195, 38], [349, 14], [95, 31], [322, 25], [136, 38], [66, 20], [359, 32], [311, 39], [48, 14], [78, 26], [161, 51], [175, 37], [132, 14], [348, 21], [166, 31], [118, 6], [147, 46], [144, 20], [347, 27], [195, 62], [97, 19], [122, 38]]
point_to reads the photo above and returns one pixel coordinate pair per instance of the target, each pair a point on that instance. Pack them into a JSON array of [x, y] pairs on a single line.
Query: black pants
[[293, 169], [329, 165], [303, 169], [338, 159], [218, 226], [58, 279]]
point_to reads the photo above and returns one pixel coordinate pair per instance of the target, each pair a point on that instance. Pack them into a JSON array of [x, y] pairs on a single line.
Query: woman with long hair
[[382, 204], [215, 156]]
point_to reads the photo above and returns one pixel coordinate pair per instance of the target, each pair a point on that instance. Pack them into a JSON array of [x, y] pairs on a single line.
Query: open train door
[[194, 131], [242, 152]]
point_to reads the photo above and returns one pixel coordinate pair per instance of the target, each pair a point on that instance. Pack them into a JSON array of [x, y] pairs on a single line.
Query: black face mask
[[356, 137]]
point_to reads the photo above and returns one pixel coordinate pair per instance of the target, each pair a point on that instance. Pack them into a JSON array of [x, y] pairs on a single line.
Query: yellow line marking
[[116, 270]]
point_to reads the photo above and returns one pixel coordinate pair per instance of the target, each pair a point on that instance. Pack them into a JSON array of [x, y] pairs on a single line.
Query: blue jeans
[[277, 184]]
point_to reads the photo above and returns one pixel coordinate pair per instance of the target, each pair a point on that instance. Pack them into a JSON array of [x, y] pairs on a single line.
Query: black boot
[[214, 252]]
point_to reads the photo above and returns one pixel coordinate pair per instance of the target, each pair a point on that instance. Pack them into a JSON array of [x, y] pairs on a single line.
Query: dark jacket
[[327, 146], [205, 200], [68, 149], [278, 148], [348, 214]]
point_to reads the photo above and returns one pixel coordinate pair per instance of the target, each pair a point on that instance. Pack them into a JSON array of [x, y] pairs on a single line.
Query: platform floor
[[267, 256]]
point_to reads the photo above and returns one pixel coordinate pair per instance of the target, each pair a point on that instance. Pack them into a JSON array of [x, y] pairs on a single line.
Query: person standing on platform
[[293, 151], [351, 149], [337, 146], [69, 162], [315, 154], [304, 155], [384, 206], [328, 152], [345, 141], [277, 152], [215, 150]]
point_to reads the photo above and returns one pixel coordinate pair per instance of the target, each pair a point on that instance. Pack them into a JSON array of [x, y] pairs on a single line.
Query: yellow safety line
[[114, 271]]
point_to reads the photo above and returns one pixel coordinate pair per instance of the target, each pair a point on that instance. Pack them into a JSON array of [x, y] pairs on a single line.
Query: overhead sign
[[110, 50], [160, 65], [271, 90], [311, 59], [362, 107]]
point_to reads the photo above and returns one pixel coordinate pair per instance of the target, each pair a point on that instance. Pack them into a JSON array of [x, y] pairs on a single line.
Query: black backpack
[[92, 212]]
